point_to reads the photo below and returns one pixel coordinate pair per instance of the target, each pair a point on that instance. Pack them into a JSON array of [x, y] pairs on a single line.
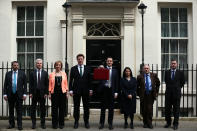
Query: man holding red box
[[109, 89]]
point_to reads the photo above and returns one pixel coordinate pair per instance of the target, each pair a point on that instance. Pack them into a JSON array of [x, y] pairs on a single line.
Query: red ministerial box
[[101, 74]]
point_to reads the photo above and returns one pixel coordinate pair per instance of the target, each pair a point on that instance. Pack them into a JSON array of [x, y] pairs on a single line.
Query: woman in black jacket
[[128, 86]]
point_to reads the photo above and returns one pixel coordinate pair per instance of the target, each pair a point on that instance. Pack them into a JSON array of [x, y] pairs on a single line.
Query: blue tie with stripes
[[14, 83], [147, 84]]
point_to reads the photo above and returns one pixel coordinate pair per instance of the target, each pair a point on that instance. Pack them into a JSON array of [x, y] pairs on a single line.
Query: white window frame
[[14, 25]]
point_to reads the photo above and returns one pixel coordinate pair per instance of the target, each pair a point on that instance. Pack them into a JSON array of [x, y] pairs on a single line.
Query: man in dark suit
[[38, 90], [79, 86], [15, 90], [148, 88], [174, 80], [109, 89]]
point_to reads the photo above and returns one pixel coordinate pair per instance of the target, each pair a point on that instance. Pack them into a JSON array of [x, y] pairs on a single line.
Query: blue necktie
[[147, 84], [14, 83], [172, 74]]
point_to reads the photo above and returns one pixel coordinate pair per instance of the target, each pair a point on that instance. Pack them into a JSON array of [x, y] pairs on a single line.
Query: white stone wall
[[54, 30]]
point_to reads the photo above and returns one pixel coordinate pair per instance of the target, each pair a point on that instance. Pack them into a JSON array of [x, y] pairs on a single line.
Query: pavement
[[118, 123]]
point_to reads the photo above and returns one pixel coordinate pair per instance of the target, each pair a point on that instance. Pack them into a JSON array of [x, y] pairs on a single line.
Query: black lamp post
[[142, 9], [66, 5]]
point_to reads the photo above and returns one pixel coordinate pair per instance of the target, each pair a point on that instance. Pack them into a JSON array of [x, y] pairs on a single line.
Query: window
[[30, 35], [174, 36], [103, 29]]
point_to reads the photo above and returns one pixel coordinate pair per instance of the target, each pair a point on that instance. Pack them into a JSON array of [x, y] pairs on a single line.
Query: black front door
[[96, 52]]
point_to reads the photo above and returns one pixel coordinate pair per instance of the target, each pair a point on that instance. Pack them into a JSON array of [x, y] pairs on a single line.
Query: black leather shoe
[[175, 127], [33, 126], [87, 125], [43, 126], [167, 126], [20, 128], [10, 126], [111, 127], [131, 126], [150, 126], [101, 126], [76, 125], [145, 126], [125, 125], [54, 127], [61, 126]]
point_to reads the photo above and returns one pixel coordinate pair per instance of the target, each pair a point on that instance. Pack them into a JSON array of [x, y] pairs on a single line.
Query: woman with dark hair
[[128, 85], [58, 89]]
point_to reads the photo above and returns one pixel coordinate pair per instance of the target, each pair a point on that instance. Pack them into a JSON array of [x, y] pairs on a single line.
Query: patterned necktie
[[147, 84], [38, 78], [172, 74], [81, 71], [110, 75], [14, 83]]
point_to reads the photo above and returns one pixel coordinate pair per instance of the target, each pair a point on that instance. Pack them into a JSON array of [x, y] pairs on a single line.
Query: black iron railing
[[5, 67], [188, 99]]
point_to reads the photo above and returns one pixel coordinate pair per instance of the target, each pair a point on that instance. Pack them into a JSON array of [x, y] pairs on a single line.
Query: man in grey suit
[[38, 90], [15, 90]]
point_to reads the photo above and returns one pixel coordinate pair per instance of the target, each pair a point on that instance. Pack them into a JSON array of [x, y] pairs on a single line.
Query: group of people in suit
[[146, 86]]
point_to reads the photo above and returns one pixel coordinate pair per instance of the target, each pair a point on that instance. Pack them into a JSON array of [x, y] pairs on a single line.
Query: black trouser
[[38, 98], [15, 101], [126, 117], [77, 100], [147, 108], [58, 108], [107, 101], [172, 100]]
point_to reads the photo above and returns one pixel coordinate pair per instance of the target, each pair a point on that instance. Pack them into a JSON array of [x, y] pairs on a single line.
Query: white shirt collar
[[109, 67], [39, 69], [81, 66], [173, 70], [15, 71]]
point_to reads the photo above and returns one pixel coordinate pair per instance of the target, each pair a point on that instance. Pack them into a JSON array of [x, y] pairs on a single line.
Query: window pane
[[30, 13], [165, 61], [174, 29], [30, 29], [164, 14], [21, 13], [183, 29], [164, 46], [20, 45], [30, 60], [183, 46], [21, 60], [39, 45], [174, 46], [175, 57], [165, 30], [20, 28], [183, 60], [173, 14], [183, 14], [39, 13], [30, 45], [39, 56], [39, 28]]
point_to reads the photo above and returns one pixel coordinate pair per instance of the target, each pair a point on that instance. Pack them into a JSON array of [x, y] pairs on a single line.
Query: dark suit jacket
[[114, 82], [44, 82], [141, 85], [78, 84], [175, 85], [21, 84]]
